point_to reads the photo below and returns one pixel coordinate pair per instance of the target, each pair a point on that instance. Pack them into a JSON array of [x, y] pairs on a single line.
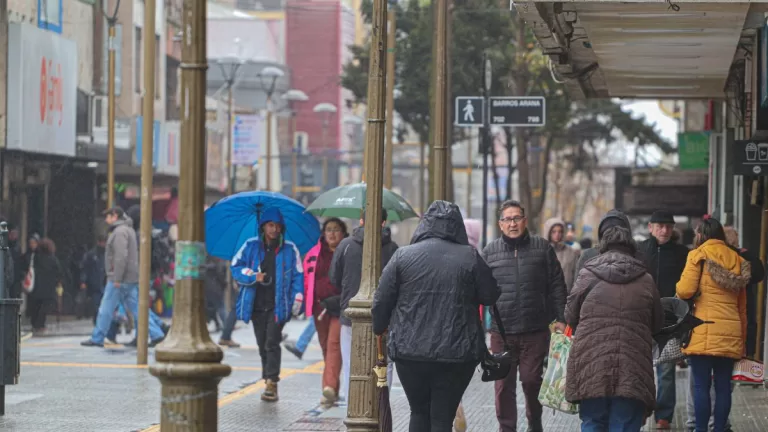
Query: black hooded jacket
[[533, 292], [429, 293], [665, 263], [347, 265]]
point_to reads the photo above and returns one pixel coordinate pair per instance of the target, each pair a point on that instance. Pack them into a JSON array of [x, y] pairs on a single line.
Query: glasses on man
[[516, 219]]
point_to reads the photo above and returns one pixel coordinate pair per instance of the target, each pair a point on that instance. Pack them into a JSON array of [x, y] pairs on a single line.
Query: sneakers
[[663, 425], [229, 343], [90, 343], [270, 392], [291, 347], [329, 396]]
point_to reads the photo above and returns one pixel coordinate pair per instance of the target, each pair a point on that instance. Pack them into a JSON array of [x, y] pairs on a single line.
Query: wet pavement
[[65, 387]]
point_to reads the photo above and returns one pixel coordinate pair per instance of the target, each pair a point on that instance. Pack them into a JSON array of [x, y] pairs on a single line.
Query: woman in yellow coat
[[715, 277]]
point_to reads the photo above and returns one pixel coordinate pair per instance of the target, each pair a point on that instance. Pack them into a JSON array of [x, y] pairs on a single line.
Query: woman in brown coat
[[616, 306]]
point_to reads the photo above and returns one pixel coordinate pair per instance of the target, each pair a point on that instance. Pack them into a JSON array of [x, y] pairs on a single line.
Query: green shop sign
[[693, 150]]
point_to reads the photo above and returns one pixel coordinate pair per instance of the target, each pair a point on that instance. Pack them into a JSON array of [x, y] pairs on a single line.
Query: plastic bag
[[552, 393], [748, 371]]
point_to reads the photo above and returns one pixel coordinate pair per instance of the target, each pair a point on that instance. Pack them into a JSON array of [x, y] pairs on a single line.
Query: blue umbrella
[[231, 221]]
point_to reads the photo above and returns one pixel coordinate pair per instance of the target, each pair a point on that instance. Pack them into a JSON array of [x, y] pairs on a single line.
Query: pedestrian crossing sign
[[470, 111]]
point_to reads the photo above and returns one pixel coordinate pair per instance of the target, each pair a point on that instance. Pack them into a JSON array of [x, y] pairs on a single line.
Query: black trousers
[[269, 334], [434, 391], [37, 310]]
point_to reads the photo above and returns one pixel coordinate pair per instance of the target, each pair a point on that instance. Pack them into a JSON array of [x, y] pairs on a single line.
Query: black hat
[[662, 217]]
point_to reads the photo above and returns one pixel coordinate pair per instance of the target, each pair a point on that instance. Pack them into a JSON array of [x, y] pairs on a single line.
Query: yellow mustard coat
[[720, 296]]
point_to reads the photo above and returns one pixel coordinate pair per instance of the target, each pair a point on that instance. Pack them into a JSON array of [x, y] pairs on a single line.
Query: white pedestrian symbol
[[469, 112]]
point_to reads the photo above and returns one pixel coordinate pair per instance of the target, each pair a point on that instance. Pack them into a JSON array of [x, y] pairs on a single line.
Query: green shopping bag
[[552, 393]]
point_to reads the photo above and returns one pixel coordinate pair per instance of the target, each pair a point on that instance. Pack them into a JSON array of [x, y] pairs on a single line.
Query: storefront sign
[[140, 139], [50, 15], [750, 158], [42, 91], [693, 150], [247, 135]]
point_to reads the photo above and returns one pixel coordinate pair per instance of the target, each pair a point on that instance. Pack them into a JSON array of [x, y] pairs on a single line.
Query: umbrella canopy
[[349, 201], [678, 320], [231, 221]]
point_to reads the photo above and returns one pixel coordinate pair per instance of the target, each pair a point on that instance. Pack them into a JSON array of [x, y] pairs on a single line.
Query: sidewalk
[[65, 387]]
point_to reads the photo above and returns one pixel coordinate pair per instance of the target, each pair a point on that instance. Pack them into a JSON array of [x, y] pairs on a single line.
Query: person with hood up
[[269, 271], [533, 294], [617, 309], [715, 278], [612, 218], [345, 273], [567, 255], [665, 261], [121, 258], [428, 297]]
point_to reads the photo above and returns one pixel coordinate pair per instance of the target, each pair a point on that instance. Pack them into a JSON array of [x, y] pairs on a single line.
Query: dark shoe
[[291, 347], [165, 328], [270, 392], [90, 343], [153, 343], [229, 343]]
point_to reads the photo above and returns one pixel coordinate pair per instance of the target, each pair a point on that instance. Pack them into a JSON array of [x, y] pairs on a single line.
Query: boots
[[270, 392]]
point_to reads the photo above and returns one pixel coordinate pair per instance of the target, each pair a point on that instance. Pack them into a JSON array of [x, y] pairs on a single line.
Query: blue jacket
[[289, 281]]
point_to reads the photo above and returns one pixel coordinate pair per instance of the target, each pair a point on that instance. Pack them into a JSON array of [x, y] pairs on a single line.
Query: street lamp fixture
[[267, 73], [294, 95]]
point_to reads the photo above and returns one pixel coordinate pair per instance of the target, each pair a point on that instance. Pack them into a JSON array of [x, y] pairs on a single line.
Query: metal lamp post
[[362, 409], [325, 110], [229, 67], [269, 73], [188, 361], [294, 95], [111, 43]]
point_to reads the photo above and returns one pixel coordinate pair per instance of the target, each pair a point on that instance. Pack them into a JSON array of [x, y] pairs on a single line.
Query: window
[[137, 60], [158, 68]]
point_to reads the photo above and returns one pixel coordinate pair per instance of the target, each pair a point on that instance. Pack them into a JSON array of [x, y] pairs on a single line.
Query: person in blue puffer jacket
[[269, 272]]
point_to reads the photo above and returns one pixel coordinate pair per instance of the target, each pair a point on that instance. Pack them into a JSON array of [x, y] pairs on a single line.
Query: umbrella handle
[[380, 348]]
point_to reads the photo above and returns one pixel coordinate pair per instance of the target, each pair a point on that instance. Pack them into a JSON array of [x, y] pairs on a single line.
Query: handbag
[[672, 353], [497, 366], [29, 280], [686, 339]]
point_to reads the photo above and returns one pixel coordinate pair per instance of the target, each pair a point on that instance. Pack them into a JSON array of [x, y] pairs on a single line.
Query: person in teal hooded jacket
[[269, 271]]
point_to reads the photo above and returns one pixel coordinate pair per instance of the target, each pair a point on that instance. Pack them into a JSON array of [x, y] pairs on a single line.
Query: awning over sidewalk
[[643, 49]]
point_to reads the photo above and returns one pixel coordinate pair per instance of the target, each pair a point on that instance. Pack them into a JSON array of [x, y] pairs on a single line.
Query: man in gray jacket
[[122, 267]]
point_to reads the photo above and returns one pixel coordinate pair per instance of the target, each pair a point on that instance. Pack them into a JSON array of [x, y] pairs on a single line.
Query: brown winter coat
[[612, 347], [567, 255]]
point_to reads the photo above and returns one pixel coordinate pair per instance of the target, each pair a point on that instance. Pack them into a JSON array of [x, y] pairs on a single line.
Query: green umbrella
[[349, 201]]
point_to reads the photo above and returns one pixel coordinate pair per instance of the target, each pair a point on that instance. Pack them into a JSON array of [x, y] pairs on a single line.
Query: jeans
[[666, 392], [306, 335], [229, 325], [434, 391], [529, 350], [346, 358], [269, 334], [611, 414], [128, 295], [703, 370], [690, 422]]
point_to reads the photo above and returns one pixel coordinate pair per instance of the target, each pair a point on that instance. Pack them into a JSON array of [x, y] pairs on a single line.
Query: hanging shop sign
[[750, 158], [42, 91]]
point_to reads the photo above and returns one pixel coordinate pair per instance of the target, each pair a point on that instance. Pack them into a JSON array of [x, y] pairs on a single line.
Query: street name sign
[[469, 111], [521, 111]]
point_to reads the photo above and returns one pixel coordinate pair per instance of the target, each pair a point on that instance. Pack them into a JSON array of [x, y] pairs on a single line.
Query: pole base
[[190, 391], [361, 424]]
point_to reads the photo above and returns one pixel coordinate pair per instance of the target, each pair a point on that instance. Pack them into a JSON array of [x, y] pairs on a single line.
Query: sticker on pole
[[190, 260]]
